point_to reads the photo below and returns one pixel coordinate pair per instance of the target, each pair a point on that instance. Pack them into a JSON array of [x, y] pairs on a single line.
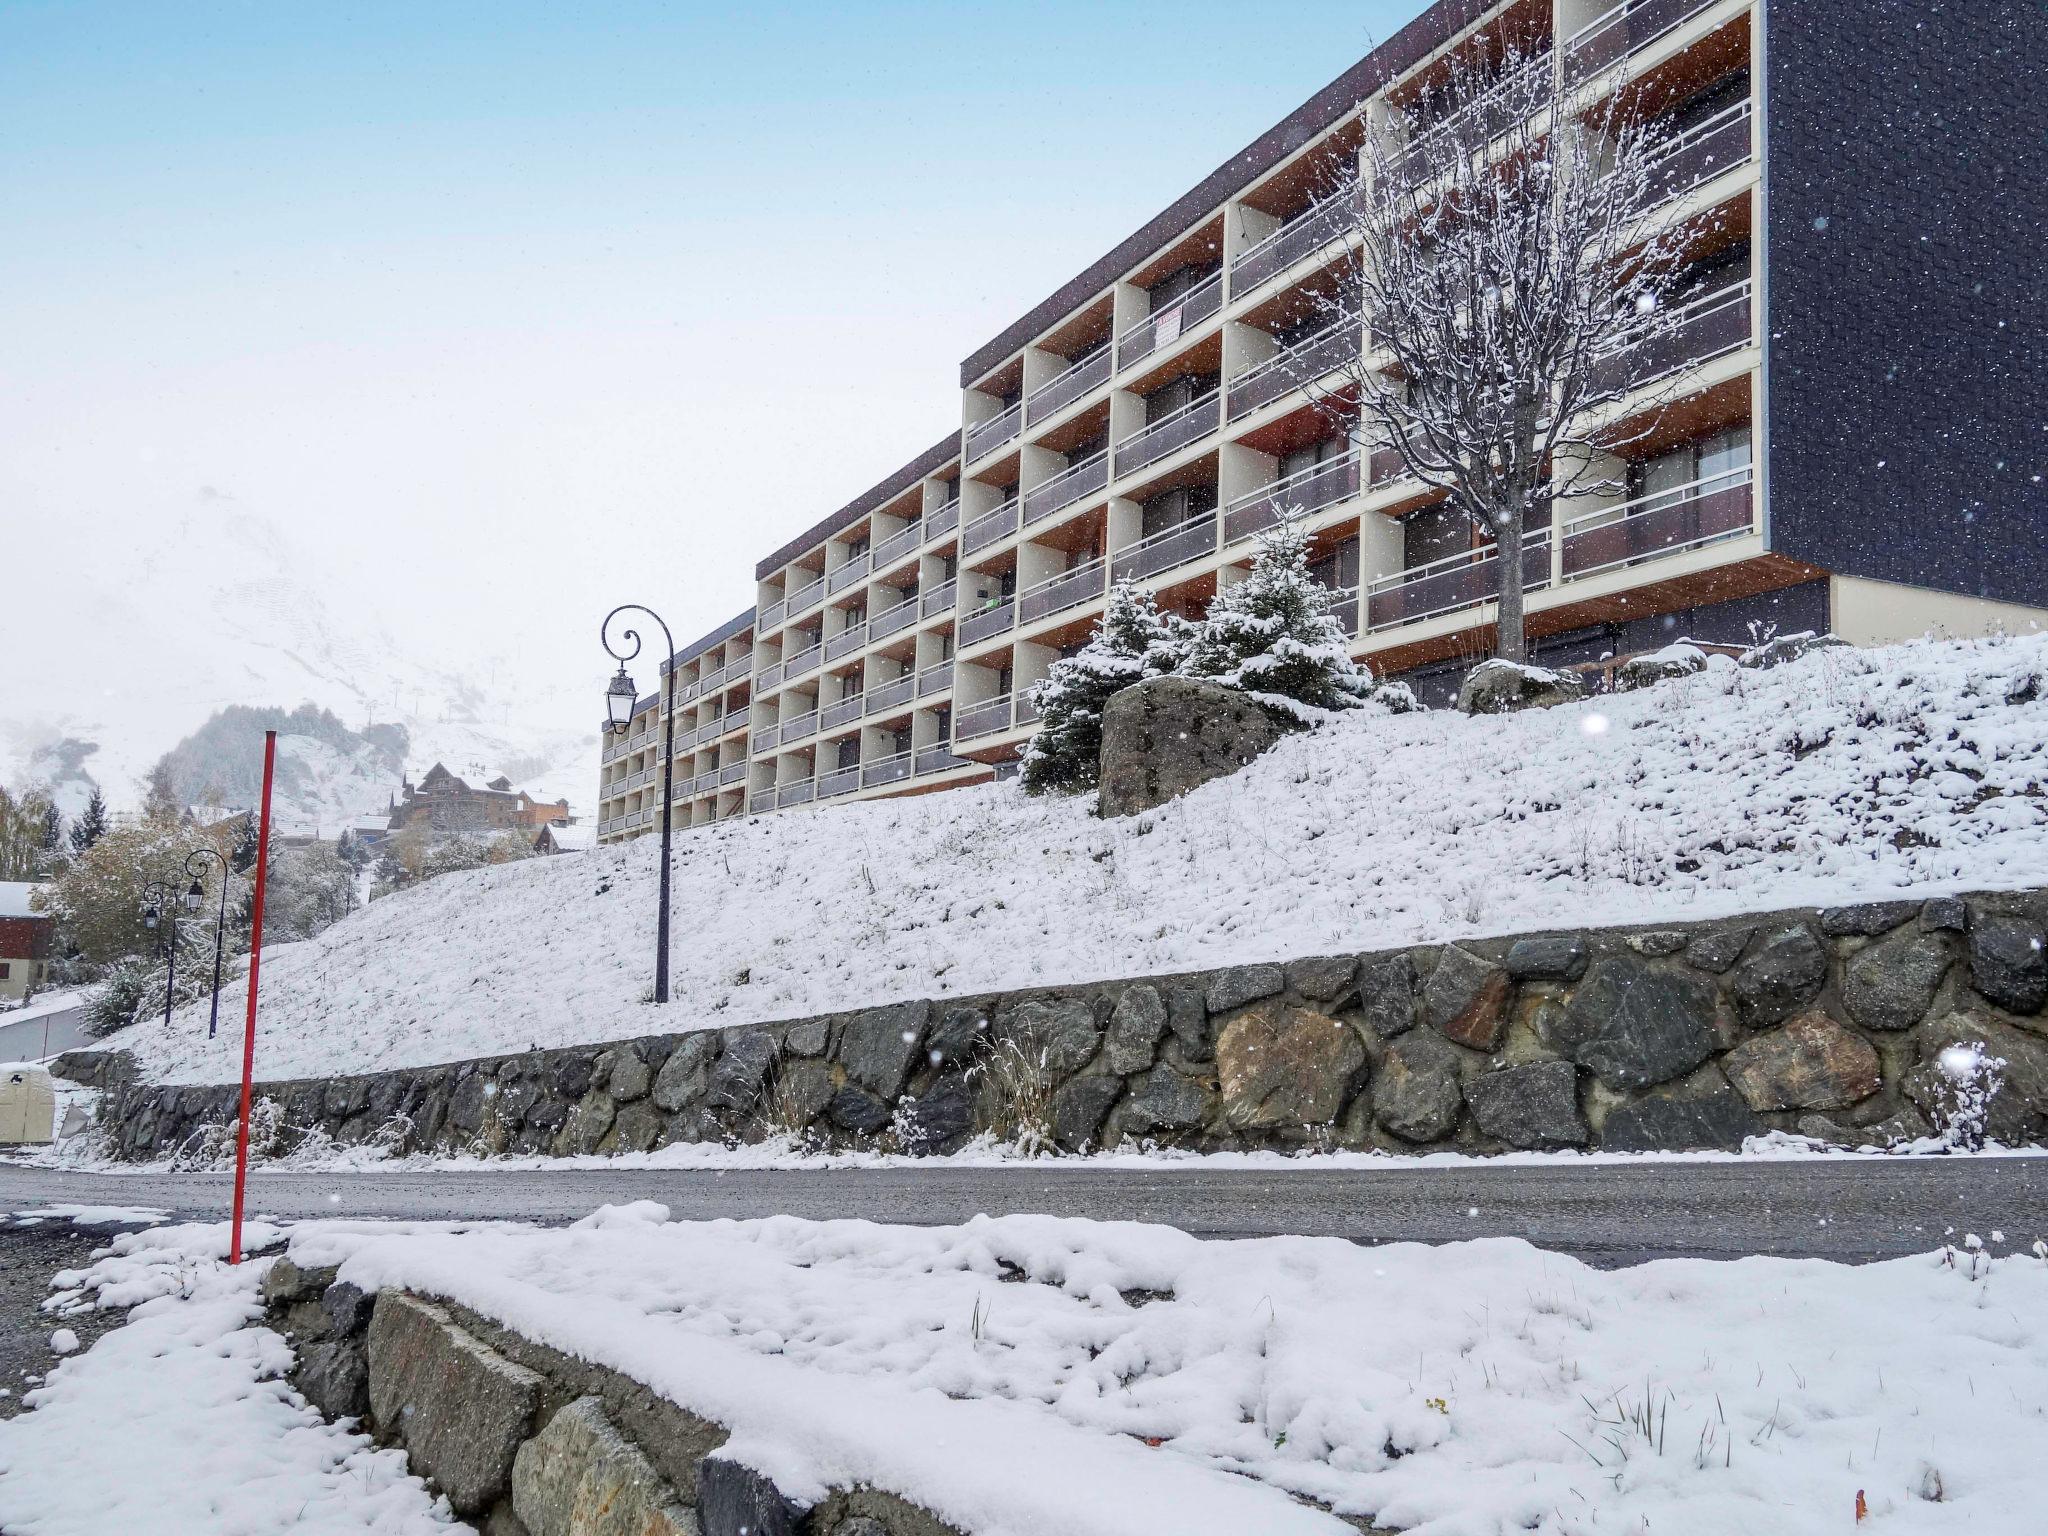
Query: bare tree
[[1508, 240]]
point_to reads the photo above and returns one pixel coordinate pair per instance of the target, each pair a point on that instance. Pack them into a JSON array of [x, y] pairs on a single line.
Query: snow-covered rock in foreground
[[1847, 774]]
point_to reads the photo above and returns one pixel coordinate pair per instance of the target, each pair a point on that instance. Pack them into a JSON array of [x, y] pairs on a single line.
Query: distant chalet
[[447, 803]]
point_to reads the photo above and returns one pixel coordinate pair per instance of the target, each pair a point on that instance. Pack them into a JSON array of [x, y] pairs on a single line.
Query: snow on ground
[[180, 1424], [1848, 774]]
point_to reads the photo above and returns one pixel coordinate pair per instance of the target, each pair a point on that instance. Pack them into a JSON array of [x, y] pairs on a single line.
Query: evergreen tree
[[52, 835], [242, 855], [1132, 641], [160, 800], [91, 825], [1273, 633]]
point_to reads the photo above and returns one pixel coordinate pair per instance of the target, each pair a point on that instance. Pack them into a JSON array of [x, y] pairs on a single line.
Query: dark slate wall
[[1908, 176]]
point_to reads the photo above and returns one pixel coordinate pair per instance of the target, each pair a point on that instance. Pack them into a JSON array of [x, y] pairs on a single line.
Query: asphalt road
[[1609, 1214]]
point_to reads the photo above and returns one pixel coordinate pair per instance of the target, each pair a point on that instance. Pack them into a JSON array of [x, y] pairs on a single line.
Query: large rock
[[460, 1407], [734, 1082], [629, 1078], [1166, 1101], [2009, 962], [1467, 998], [1534, 1107], [1634, 1023], [1281, 1064], [1323, 978], [1168, 735], [955, 1038], [857, 1110], [1891, 985], [1243, 984], [1682, 659], [1784, 973], [939, 1119], [1057, 1036], [2025, 1074], [334, 1377], [681, 1080], [1079, 1108], [638, 1127], [1386, 996], [802, 1090], [581, 1477], [1135, 1025], [880, 1045], [1670, 1122], [586, 1124], [1810, 1063], [735, 1500], [1500, 687], [1718, 949], [1780, 649], [1548, 957], [1867, 920], [1415, 1093]]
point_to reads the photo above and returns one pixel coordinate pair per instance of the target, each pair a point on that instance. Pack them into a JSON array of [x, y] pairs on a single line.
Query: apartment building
[[1858, 445]]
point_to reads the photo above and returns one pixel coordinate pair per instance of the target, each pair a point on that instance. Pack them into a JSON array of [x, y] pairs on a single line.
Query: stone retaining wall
[[1829, 1023], [526, 1441]]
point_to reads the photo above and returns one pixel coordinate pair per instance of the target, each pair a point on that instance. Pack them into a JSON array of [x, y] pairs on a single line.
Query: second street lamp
[[619, 699], [194, 898], [159, 908]]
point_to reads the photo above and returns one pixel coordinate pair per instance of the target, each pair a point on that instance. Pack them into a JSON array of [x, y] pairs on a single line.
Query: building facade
[[25, 937], [447, 802], [1858, 444]]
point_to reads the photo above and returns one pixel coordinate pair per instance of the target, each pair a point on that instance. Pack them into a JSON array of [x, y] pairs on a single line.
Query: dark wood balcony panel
[[1660, 527]]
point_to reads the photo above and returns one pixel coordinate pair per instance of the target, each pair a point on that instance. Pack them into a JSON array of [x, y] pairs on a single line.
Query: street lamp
[[619, 698], [161, 909], [194, 897]]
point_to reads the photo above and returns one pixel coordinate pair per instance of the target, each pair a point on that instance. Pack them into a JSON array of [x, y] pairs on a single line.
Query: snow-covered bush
[[1133, 640], [132, 989], [421, 852], [310, 889]]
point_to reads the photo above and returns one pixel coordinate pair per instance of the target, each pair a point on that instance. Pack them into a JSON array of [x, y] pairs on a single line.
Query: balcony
[[839, 781], [843, 576], [1069, 589], [1302, 494], [1169, 323], [732, 773], [734, 719], [1194, 539], [995, 619], [761, 800], [902, 542], [847, 641], [1462, 580], [764, 740], [1705, 512], [1070, 485], [943, 521], [1027, 709], [1175, 430], [938, 759], [935, 679], [1623, 31], [794, 794], [1693, 334], [886, 770], [771, 614], [1695, 157], [897, 616], [846, 709], [938, 600], [1344, 609], [768, 677], [806, 596], [1067, 386], [1306, 361], [803, 661], [984, 438], [1301, 236], [1478, 123], [990, 528], [894, 693], [798, 727], [983, 719]]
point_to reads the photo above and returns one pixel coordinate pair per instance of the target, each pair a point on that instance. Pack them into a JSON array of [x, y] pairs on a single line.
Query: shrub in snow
[[132, 990], [1971, 1078], [1775, 650], [1500, 687], [1273, 634], [1132, 641]]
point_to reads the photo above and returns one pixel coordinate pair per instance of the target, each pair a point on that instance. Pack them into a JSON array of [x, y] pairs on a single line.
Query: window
[[1434, 534], [1303, 459], [848, 752], [6, 970], [1709, 458], [1176, 507]]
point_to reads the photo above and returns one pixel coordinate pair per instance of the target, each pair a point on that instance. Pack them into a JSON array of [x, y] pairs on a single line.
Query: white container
[[28, 1104]]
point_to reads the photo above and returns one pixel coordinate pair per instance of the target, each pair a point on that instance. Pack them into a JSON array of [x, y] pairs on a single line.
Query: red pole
[[249, 1030]]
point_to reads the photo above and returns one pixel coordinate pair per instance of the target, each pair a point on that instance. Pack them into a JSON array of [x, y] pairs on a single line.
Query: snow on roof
[[575, 839], [14, 895]]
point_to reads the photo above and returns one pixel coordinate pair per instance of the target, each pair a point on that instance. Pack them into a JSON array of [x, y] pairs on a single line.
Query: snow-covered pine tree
[[1273, 633], [91, 825], [1133, 640]]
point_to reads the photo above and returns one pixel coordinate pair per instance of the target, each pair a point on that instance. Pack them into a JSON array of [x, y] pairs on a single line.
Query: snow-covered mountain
[[127, 658]]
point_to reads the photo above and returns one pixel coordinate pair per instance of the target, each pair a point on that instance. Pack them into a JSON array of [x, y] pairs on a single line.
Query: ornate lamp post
[[160, 910], [619, 699], [195, 897]]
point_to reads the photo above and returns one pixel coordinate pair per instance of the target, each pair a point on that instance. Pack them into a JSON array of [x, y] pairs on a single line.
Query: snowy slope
[[1717, 793], [228, 608]]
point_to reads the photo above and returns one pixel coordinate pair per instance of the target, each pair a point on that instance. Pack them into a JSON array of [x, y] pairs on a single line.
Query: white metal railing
[[991, 527], [1070, 383], [982, 719], [1344, 608], [1473, 113], [935, 679], [1306, 491], [1687, 321], [1287, 357], [1265, 258], [983, 438], [1624, 29], [1668, 158], [886, 770], [1703, 511]]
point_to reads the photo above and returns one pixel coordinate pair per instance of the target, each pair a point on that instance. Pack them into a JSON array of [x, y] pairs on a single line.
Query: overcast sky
[[521, 310]]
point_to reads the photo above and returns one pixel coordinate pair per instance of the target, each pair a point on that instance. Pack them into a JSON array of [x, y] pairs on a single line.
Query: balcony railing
[[897, 545], [994, 619], [732, 773], [1695, 157], [770, 614], [886, 770], [1328, 350], [838, 781], [1302, 493], [1171, 321], [939, 599], [1476, 124], [799, 726], [938, 758], [1027, 709], [847, 641], [1069, 589], [1688, 336], [839, 713], [1344, 609], [803, 661], [1626, 29], [1457, 581], [806, 596], [897, 616], [1704, 512], [983, 719], [897, 691], [1068, 385], [986, 437], [761, 800], [735, 718], [1171, 432], [764, 740], [1191, 540], [943, 521], [794, 794], [840, 577], [935, 679], [1301, 236], [768, 677], [1067, 487], [989, 528]]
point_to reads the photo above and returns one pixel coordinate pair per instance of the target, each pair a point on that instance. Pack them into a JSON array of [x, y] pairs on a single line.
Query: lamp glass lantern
[[149, 917], [194, 896], [619, 699]]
